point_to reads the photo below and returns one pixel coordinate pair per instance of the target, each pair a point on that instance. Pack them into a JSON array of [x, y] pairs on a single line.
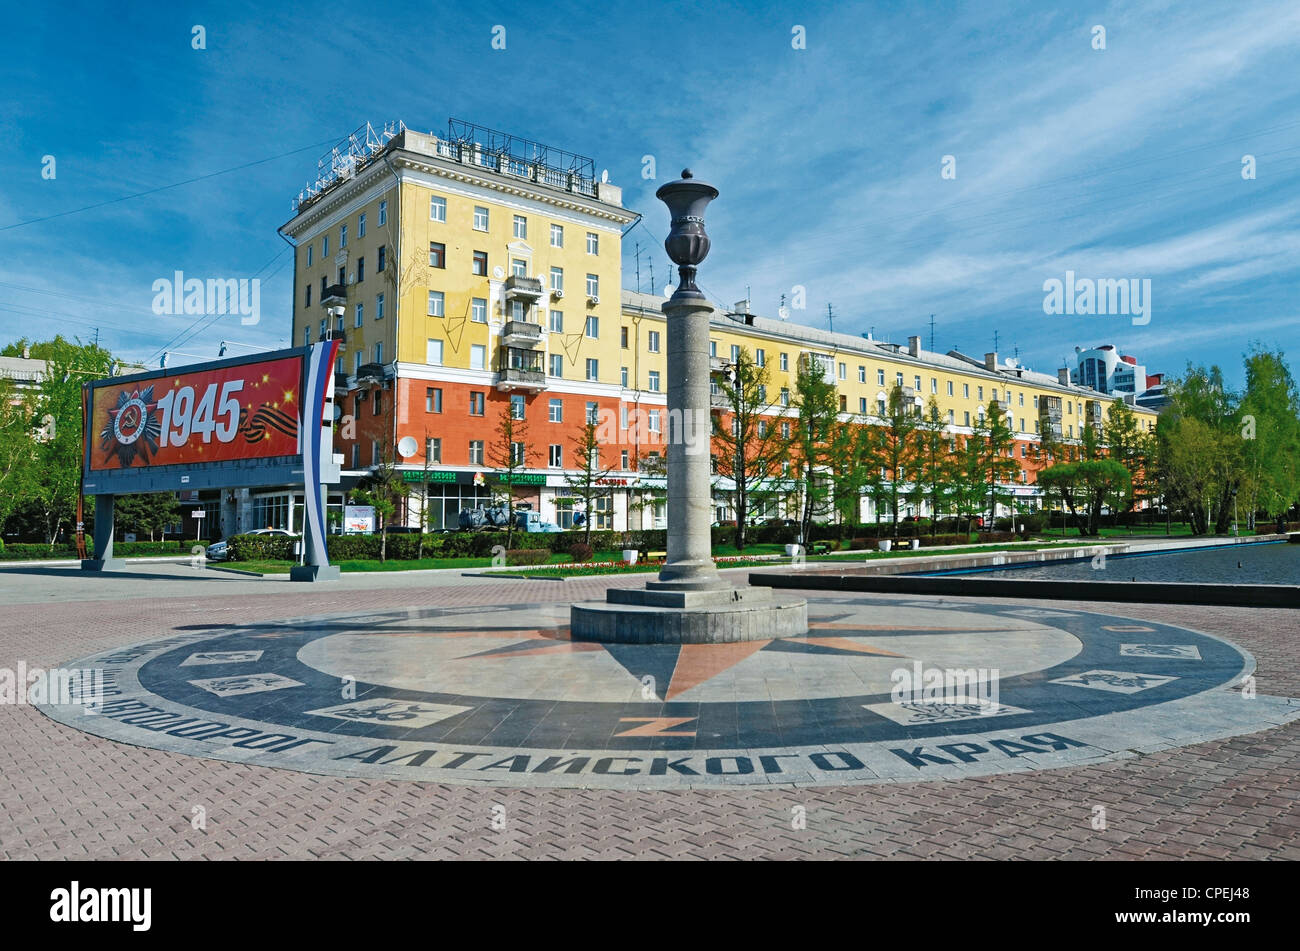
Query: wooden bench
[[821, 548], [656, 555]]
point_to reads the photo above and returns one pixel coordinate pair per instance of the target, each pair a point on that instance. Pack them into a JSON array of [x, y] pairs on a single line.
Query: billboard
[[225, 424], [247, 411]]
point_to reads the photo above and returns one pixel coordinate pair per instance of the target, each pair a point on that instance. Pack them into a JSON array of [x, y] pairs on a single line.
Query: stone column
[[689, 563]]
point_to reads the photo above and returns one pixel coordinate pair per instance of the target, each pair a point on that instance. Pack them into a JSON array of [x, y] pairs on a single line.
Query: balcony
[[334, 294], [519, 287], [521, 370], [340, 335], [370, 371], [521, 333]]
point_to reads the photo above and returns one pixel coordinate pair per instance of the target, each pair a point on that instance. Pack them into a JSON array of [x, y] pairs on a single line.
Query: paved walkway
[[69, 794]]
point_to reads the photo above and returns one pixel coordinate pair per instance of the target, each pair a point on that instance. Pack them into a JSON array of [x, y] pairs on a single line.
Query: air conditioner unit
[[557, 294], [593, 299]]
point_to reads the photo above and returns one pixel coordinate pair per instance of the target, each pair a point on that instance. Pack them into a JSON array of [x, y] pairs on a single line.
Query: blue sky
[[1117, 163]]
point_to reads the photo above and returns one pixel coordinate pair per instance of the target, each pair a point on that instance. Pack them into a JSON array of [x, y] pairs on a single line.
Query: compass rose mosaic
[[503, 696]]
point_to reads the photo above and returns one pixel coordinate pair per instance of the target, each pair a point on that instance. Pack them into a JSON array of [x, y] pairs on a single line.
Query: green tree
[[994, 448], [748, 444], [1270, 434], [1086, 487], [894, 447], [509, 455], [933, 461], [53, 480], [382, 488], [146, 513], [817, 406], [17, 445], [589, 481]]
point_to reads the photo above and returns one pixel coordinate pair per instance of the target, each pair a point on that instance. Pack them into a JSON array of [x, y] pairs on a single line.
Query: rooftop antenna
[[638, 268], [995, 341], [932, 333], [781, 311], [830, 316]]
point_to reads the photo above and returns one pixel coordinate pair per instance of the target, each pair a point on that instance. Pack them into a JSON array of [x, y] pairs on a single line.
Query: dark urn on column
[[687, 244]]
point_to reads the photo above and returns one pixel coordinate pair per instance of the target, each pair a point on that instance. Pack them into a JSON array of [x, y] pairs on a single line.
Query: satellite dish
[[604, 176], [406, 447], [498, 272], [668, 290], [783, 312]]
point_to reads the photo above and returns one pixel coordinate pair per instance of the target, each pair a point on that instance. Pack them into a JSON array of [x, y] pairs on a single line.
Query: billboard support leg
[[315, 566], [103, 560]]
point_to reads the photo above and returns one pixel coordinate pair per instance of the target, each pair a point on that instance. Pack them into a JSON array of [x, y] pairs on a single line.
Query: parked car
[[220, 551]]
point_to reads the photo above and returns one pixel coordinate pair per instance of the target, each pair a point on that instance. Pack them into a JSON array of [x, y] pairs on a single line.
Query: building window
[[437, 254], [433, 449], [762, 392], [862, 405], [324, 246], [557, 364], [592, 329], [383, 258], [518, 267], [950, 387], [343, 236], [357, 357], [437, 208], [433, 399], [622, 337], [555, 411], [654, 381], [361, 225], [436, 303], [593, 412], [950, 418], [557, 279], [966, 418], [785, 396], [622, 460], [356, 463], [622, 376], [713, 348], [361, 268], [432, 353], [622, 416], [965, 391], [880, 377], [308, 303], [1021, 394], [476, 404], [521, 227], [556, 318], [310, 249], [653, 421], [379, 352], [898, 379], [652, 341], [555, 458], [916, 383], [359, 315], [785, 361], [593, 243], [557, 236], [476, 452], [306, 336], [593, 285], [383, 212], [785, 430], [843, 372], [477, 356], [862, 374], [378, 402], [517, 406], [880, 407], [593, 367], [480, 218], [478, 310], [480, 263]]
